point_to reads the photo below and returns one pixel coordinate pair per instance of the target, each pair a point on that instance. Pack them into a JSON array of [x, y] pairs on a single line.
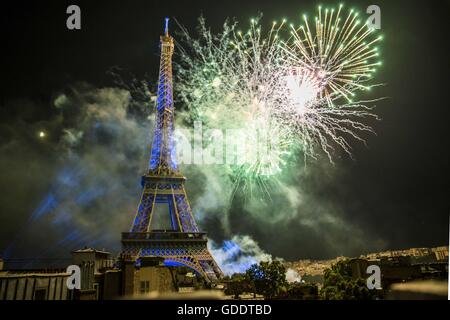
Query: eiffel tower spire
[[176, 238], [162, 160]]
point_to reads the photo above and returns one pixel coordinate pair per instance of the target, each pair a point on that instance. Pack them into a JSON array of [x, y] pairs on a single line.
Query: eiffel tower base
[[177, 248]]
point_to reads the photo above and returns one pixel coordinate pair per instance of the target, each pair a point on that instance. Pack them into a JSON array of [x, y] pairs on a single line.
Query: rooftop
[[93, 250]]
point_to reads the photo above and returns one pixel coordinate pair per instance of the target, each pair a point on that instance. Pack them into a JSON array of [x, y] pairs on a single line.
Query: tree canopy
[[340, 285], [267, 278]]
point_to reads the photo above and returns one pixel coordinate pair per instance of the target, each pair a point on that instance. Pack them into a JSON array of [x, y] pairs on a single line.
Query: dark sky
[[396, 188]]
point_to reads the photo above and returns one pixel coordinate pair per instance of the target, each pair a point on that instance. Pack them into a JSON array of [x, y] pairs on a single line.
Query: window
[[97, 291], [40, 294], [145, 286]]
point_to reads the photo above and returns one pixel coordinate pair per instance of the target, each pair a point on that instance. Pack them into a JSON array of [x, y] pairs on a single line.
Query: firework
[[339, 53], [326, 65], [298, 92], [231, 81]]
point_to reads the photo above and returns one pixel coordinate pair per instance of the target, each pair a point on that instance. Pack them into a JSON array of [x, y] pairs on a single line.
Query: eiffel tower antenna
[[166, 28], [164, 224]]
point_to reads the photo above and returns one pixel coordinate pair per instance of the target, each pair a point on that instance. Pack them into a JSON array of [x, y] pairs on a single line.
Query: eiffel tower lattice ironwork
[[179, 241]]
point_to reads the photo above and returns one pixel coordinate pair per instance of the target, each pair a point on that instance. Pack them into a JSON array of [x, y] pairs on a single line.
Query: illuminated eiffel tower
[[164, 225]]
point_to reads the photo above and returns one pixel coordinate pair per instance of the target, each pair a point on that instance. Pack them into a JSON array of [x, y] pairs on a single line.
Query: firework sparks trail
[[231, 80], [299, 92], [330, 62], [340, 54]]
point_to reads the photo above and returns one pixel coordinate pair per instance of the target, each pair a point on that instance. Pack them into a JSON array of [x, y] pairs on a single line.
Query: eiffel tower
[[164, 225]]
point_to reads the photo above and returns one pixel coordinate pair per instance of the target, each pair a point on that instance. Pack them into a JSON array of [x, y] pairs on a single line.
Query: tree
[[267, 278], [236, 285], [301, 291], [339, 284]]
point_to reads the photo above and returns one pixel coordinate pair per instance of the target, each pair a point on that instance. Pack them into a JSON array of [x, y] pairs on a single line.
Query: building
[[441, 253], [94, 266], [51, 284], [402, 269], [152, 275], [34, 285], [102, 278]]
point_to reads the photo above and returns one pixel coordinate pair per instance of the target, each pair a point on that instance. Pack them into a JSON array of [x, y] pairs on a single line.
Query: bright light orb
[[303, 88], [216, 82]]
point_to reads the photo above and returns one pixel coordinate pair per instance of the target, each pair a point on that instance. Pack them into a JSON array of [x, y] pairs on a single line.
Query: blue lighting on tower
[[163, 147]]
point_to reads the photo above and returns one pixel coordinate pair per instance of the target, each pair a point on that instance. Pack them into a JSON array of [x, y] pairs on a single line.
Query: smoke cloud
[[238, 254], [85, 169], [79, 185], [292, 276]]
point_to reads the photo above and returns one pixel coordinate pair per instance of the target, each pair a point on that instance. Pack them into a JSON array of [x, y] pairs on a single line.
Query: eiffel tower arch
[[164, 224]]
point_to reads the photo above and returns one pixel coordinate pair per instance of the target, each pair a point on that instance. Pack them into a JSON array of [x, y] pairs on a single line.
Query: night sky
[[394, 192]]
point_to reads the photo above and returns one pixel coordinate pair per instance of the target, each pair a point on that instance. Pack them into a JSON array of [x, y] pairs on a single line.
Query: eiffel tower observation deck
[[164, 225]]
